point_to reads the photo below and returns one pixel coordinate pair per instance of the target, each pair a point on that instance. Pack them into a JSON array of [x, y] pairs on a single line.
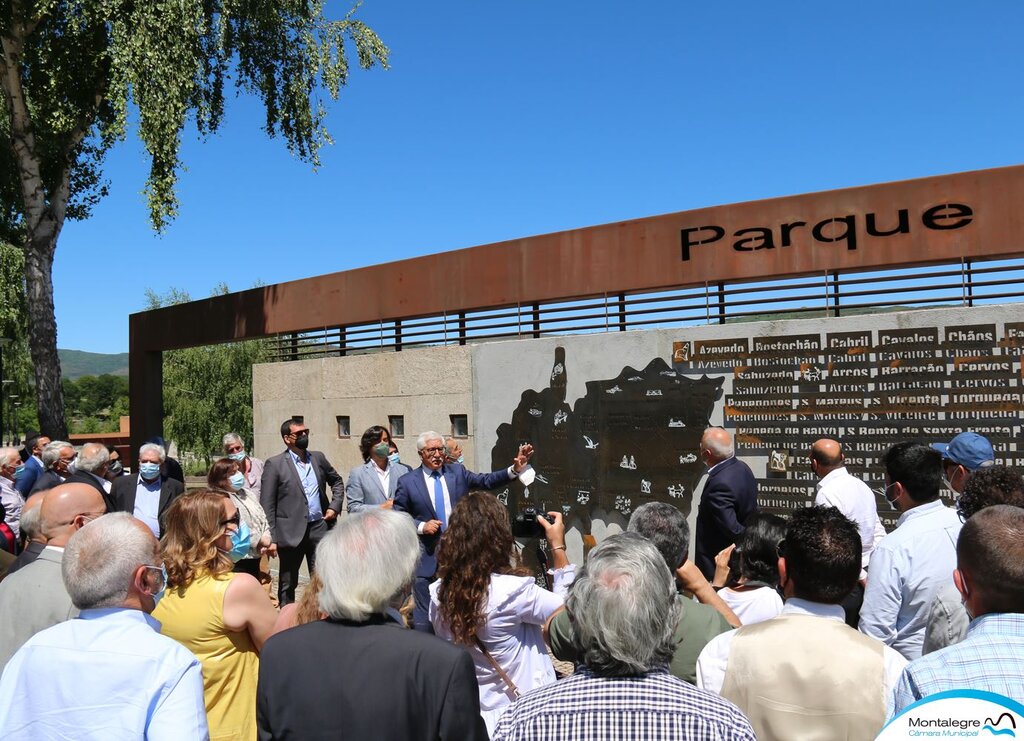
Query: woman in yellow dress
[[222, 617]]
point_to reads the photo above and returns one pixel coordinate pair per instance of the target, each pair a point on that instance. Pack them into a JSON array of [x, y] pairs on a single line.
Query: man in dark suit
[[357, 674], [729, 497], [91, 469], [294, 496], [57, 457], [429, 493], [147, 495]]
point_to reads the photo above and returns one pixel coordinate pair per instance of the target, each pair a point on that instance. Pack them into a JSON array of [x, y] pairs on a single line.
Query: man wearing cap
[[962, 456]]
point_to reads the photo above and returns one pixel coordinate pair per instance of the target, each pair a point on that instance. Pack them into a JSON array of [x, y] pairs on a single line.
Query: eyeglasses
[[432, 451], [299, 433], [161, 577], [236, 520]]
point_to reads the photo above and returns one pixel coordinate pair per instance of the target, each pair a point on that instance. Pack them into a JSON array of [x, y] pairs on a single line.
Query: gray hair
[[51, 452], [100, 559], [31, 522], [426, 437], [666, 528], [366, 560], [150, 448], [719, 442], [6, 453], [92, 457], [623, 608], [231, 437]]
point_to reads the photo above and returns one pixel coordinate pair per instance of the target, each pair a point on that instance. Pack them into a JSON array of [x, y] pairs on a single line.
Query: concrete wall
[[425, 386], [486, 381]]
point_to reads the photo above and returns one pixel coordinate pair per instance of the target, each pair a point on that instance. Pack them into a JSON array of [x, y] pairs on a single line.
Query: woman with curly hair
[[484, 601], [222, 617]]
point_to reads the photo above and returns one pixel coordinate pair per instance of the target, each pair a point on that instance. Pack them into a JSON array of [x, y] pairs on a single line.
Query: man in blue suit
[[429, 494], [33, 464], [729, 498]]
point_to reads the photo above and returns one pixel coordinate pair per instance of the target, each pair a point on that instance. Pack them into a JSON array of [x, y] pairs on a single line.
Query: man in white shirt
[[851, 496], [805, 674], [911, 564], [108, 673], [10, 497]]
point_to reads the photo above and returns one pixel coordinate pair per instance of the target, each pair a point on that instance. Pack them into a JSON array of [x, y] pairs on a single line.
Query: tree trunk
[[42, 327]]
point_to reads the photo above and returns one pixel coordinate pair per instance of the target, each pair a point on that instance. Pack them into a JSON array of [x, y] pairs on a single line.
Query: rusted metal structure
[[682, 267]]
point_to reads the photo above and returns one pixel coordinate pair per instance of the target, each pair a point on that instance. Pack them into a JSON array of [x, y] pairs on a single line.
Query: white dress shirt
[[907, 570], [108, 674], [714, 659], [853, 498]]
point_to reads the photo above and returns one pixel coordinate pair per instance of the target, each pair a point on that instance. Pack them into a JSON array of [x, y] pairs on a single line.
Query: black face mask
[[302, 442]]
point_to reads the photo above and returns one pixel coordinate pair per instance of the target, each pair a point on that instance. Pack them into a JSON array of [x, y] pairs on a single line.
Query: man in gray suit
[[373, 484], [294, 496], [34, 598]]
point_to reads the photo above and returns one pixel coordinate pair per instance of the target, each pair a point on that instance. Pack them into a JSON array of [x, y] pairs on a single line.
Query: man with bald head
[[838, 488], [35, 598], [729, 498]]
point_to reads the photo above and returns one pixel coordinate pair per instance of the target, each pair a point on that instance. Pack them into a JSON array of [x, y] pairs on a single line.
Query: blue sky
[[502, 120]]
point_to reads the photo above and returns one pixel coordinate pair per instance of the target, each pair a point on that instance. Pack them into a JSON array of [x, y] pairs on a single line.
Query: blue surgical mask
[[460, 460], [239, 543], [237, 480], [394, 458], [149, 471], [19, 471], [239, 456]]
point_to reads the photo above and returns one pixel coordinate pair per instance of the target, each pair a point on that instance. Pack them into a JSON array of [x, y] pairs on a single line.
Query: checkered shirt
[[990, 658], [656, 706]]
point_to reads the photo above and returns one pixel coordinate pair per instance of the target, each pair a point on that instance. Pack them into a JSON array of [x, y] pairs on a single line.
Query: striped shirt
[[654, 706], [990, 658]]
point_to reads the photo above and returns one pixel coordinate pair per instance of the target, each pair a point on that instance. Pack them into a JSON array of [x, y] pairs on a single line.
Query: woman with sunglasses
[[226, 476], [222, 617]]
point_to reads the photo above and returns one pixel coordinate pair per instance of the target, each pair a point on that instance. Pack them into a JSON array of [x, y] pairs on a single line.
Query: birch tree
[[71, 72]]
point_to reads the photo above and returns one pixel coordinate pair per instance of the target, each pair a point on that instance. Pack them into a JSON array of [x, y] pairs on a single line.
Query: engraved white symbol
[[557, 371], [613, 390], [629, 462], [503, 497], [582, 496], [676, 491], [591, 445], [645, 486], [688, 458], [655, 392], [536, 412], [560, 417], [673, 422]]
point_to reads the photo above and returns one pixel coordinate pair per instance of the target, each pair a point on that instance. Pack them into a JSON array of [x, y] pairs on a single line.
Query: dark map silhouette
[[630, 440]]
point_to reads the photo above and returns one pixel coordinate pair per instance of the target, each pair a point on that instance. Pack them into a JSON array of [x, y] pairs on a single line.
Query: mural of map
[[630, 440]]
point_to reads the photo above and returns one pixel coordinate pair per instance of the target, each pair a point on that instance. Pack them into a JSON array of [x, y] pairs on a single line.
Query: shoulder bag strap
[[510, 686]]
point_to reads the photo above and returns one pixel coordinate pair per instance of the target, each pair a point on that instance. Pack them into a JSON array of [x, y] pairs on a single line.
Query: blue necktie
[[439, 500]]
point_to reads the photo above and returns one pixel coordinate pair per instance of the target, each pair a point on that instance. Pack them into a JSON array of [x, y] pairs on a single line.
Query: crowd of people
[[132, 608]]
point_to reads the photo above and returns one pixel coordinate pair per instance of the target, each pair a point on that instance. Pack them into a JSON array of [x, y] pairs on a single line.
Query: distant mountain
[[77, 363]]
